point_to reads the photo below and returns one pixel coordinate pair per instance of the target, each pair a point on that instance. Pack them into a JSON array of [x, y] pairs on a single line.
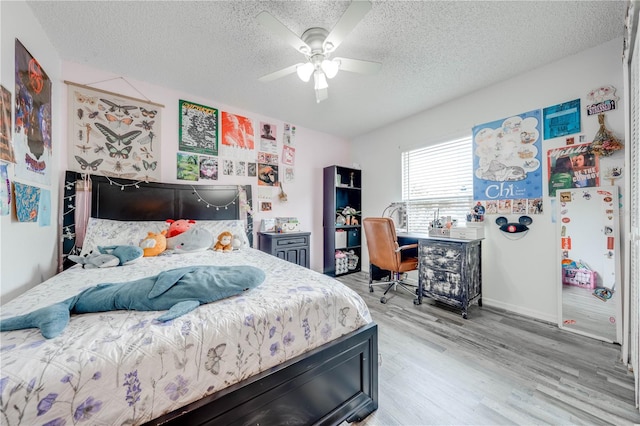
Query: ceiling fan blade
[[356, 65], [278, 74], [276, 27], [354, 14]]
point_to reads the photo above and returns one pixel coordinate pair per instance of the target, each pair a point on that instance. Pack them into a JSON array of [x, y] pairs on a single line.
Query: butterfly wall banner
[[113, 135]]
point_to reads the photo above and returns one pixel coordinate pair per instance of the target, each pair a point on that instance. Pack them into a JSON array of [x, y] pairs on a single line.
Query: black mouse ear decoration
[[513, 228]]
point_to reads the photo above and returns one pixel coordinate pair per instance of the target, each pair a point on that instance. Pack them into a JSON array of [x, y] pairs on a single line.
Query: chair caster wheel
[[464, 315], [383, 300], [416, 301], [370, 289]]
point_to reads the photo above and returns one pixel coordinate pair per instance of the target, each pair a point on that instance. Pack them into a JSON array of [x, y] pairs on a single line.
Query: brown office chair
[[386, 254]]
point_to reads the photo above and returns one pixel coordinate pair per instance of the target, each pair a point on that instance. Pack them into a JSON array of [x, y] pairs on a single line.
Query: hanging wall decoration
[[32, 137], [507, 158], [572, 166], [601, 99], [198, 128], [562, 119], [604, 142], [27, 202], [6, 146], [113, 135]]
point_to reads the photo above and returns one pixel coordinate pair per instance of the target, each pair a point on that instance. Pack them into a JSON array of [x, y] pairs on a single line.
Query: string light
[[208, 204], [124, 185]]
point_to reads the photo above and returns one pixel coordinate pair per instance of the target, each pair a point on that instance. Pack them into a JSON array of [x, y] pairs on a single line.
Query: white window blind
[[437, 178]]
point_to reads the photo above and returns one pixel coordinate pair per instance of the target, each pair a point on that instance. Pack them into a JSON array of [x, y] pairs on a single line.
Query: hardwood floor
[[495, 368]]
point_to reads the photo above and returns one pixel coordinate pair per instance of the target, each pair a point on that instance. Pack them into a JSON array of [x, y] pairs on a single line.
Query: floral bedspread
[[122, 367]]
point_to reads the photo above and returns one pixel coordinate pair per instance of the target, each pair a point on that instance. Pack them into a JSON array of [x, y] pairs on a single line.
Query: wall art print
[[237, 131], [32, 129], [198, 128], [188, 167], [572, 166], [562, 119], [507, 158], [113, 135], [27, 202], [6, 145]]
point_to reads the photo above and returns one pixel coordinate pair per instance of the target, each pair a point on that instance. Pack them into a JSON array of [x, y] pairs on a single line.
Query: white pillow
[[107, 232]]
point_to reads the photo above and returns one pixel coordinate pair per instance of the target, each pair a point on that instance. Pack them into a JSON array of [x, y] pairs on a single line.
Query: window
[[436, 180]]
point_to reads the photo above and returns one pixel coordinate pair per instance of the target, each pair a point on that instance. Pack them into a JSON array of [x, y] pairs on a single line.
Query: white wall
[[517, 275], [29, 253]]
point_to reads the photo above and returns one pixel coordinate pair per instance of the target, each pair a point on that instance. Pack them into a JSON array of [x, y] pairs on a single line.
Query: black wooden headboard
[[123, 199]]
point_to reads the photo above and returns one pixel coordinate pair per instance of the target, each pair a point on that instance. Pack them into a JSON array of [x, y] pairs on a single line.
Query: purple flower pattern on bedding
[[122, 367]]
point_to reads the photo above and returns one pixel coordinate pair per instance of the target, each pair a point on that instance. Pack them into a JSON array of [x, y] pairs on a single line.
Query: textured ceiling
[[431, 51]]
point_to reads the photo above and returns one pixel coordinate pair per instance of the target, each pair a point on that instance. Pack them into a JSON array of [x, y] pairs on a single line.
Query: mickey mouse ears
[[512, 227]]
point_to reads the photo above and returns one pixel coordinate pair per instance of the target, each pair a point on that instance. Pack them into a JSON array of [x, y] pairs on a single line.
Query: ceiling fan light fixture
[[320, 80], [305, 71], [330, 68]]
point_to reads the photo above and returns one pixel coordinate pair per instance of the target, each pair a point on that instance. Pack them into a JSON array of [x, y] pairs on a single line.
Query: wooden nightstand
[[293, 246]]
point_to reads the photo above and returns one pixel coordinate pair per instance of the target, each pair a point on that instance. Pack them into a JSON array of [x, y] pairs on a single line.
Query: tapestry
[[113, 135]]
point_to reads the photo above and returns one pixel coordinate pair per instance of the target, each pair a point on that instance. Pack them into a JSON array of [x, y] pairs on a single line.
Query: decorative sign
[[562, 119], [602, 99]]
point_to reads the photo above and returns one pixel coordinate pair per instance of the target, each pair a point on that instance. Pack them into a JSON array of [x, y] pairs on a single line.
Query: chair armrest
[[408, 246]]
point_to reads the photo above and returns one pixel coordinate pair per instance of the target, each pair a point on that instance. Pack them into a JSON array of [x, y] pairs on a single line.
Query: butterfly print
[[120, 108], [118, 153], [214, 355], [84, 164], [146, 125], [117, 122], [80, 113], [148, 113], [85, 99], [114, 138], [149, 165]]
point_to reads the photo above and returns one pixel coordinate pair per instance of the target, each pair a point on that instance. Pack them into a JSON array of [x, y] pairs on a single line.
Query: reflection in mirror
[[590, 303]]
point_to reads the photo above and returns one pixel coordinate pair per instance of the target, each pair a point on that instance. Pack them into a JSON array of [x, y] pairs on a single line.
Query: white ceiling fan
[[317, 45]]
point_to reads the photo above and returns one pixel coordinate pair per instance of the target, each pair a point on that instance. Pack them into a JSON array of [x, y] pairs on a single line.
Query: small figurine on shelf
[[351, 181], [349, 213]]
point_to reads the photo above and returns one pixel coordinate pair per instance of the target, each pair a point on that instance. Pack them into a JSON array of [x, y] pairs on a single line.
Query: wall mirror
[[590, 301]]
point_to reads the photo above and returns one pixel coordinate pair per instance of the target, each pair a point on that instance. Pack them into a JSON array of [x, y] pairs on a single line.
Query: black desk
[[449, 269]]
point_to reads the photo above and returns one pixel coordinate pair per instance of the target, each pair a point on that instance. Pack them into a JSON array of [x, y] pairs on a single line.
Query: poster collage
[[508, 157], [28, 147]]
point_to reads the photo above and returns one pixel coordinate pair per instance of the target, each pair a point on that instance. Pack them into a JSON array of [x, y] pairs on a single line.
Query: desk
[[449, 269]]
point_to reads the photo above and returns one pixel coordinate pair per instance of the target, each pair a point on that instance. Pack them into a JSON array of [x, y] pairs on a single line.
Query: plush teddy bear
[[177, 227], [154, 244], [224, 242]]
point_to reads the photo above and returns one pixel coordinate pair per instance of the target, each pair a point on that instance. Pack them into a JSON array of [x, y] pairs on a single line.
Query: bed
[[301, 348]]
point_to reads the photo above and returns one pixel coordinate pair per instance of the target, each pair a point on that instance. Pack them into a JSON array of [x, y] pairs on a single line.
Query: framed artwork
[[562, 119], [198, 128], [113, 135], [32, 129], [188, 166]]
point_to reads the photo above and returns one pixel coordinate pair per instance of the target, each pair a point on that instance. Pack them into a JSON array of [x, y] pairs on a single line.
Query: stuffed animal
[[95, 260], [177, 227], [224, 242], [178, 291], [237, 242], [154, 244], [125, 254], [194, 239], [108, 256]]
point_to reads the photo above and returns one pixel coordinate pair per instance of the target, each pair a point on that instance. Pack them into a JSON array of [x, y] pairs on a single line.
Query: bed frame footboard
[[333, 383]]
